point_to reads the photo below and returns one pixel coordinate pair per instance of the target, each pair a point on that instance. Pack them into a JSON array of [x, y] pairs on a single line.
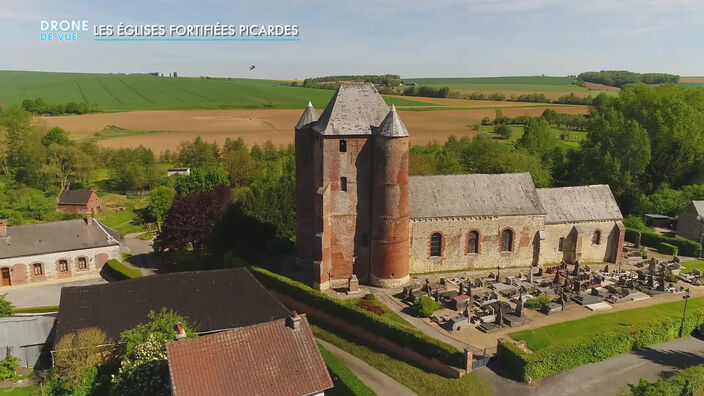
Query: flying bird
[[251, 67]]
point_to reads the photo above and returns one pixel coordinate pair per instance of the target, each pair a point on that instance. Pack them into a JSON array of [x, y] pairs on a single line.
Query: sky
[[413, 38]]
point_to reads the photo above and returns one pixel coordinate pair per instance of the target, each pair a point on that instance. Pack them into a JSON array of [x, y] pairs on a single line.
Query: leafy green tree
[[55, 135], [240, 166], [537, 138], [425, 306], [6, 307], [76, 354], [133, 169], [421, 164], [198, 154], [144, 369], [202, 179], [503, 130], [664, 201], [66, 165], [160, 200]]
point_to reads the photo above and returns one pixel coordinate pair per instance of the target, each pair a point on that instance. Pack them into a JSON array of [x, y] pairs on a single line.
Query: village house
[[61, 249], [359, 213], [275, 358], [79, 201], [690, 222], [211, 300]]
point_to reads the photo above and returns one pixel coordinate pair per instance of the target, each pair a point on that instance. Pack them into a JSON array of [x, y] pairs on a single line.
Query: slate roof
[[309, 115], [17, 331], [267, 359], [392, 126], [74, 197], [354, 110], [508, 194], [580, 203], [212, 300], [699, 206], [58, 236]]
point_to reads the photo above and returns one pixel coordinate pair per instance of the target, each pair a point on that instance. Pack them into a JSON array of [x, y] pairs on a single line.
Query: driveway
[[607, 377], [142, 253], [49, 294]]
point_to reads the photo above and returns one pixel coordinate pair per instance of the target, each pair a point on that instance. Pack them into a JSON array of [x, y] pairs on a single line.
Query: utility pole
[[684, 312]]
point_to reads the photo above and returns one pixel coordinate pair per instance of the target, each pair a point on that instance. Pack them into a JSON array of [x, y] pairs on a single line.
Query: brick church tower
[[352, 190]]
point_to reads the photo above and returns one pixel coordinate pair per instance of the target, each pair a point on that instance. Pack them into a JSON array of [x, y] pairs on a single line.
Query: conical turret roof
[[392, 126], [309, 115]]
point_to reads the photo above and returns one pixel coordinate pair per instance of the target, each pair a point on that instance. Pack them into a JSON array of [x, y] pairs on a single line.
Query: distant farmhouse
[[276, 358], [690, 222], [61, 249], [79, 201], [358, 212], [178, 171]]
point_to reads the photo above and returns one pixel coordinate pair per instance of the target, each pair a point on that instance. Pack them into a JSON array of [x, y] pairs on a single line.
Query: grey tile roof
[[580, 203], [508, 194], [699, 206], [309, 115], [58, 236], [354, 110], [74, 197], [392, 126], [20, 331]]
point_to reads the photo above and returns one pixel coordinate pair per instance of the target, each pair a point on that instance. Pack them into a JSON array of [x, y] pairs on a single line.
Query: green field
[[525, 83], [567, 332], [129, 92]]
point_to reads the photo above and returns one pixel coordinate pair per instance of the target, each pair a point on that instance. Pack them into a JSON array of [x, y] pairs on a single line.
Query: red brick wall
[[19, 274]]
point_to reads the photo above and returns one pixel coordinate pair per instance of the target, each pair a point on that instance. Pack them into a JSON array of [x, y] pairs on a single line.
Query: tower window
[[561, 244], [343, 183], [473, 242], [343, 146], [436, 245]]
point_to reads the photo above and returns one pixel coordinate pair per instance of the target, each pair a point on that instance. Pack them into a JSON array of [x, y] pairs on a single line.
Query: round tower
[[390, 227], [305, 190]]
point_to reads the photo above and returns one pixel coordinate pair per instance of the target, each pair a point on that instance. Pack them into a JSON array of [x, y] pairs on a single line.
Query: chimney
[[3, 227], [180, 332], [89, 218], [294, 321]]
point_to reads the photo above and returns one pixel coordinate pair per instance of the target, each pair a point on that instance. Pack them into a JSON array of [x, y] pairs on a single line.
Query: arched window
[[507, 240], [436, 245], [473, 242], [596, 238]]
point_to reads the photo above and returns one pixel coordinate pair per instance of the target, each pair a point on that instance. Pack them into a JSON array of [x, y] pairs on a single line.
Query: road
[[379, 382], [607, 377], [49, 294]]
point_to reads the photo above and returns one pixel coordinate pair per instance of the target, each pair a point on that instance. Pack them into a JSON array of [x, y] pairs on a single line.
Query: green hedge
[[120, 271], [393, 331], [666, 248], [689, 381], [561, 357], [651, 239], [344, 380]]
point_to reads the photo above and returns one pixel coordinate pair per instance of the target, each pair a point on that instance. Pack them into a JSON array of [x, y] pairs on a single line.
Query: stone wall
[[455, 255], [588, 251], [21, 268]]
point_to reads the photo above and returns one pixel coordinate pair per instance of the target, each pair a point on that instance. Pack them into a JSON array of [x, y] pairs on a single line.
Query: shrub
[[537, 302], [564, 356], [120, 271], [503, 130], [8, 367], [666, 248], [5, 306], [689, 381], [76, 353], [425, 306], [652, 239], [670, 277], [393, 331]]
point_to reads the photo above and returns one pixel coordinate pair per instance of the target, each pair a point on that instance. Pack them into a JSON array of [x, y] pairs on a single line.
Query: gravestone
[[353, 284], [576, 269], [519, 306]]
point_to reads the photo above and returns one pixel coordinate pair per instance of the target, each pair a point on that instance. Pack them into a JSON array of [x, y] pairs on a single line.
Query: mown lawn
[[416, 379], [22, 391], [345, 381], [120, 213], [548, 336], [689, 266]]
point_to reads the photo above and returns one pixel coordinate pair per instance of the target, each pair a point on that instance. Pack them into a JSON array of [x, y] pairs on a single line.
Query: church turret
[[390, 225], [305, 191]]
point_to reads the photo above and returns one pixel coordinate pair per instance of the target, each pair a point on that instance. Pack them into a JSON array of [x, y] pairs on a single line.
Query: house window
[[343, 146], [82, 263], [37, 269], [63, 266], [596, 238], [561, 244], [473, 242], [436, 245], [343, 183], [507, 240]]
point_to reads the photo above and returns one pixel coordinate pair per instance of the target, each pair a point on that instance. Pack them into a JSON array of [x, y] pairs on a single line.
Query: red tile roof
[[263, 359]]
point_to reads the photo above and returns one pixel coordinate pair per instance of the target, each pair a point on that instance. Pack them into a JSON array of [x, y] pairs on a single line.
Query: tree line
[[620, 78], [40, 106]]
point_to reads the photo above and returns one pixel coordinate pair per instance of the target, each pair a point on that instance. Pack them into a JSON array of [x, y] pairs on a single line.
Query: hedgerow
[[120, 271], [528, 366], [395, 332], [689, 381], [651, 239], [667, 248]]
